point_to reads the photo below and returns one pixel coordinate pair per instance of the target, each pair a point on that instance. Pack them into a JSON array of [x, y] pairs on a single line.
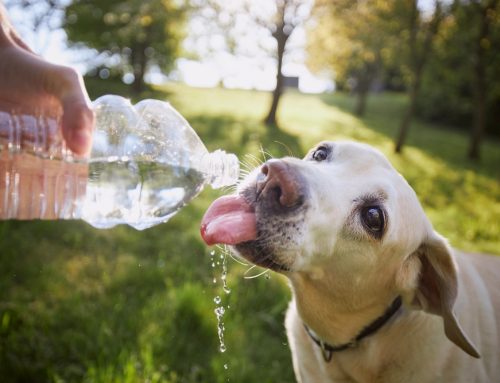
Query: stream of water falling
[[220, 310]]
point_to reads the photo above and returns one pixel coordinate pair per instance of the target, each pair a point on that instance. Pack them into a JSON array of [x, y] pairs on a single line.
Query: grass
[[85, 305]]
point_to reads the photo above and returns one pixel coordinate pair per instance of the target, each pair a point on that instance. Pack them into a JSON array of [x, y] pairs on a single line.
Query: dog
[[378, 295]]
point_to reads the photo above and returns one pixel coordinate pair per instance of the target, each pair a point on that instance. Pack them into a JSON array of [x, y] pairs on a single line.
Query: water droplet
[[219, 312], [224, 276], [214, 280], [213, 264], [217, 300], [268, 276], [212, 253], [225, 366]]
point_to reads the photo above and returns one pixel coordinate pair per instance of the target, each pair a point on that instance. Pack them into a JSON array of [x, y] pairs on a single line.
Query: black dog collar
[[327, 349]]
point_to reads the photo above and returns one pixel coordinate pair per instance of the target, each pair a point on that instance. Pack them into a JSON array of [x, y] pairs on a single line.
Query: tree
[[487, 16], [461, 86], [287, 17], [351, 37], [420, 33], [263, 21], [139, 33]]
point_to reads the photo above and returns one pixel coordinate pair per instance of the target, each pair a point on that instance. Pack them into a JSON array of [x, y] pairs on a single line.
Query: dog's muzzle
[[279, 187], [268, 204]]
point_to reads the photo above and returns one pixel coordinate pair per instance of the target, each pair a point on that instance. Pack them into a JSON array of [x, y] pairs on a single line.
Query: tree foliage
[[418, 35], [442, 53], [139, 33], [464, 72], [353, 38]]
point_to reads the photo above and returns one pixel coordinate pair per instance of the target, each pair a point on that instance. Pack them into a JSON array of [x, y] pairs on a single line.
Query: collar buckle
[[325, 351]]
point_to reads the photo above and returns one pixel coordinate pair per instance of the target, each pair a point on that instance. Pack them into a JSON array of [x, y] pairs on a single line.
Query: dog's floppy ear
[[437, 288]]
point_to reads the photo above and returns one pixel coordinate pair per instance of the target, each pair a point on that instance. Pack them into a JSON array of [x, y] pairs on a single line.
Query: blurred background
[[417, 79]]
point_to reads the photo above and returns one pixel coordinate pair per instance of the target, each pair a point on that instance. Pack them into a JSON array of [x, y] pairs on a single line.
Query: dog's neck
[[336, 317], [370, 329]]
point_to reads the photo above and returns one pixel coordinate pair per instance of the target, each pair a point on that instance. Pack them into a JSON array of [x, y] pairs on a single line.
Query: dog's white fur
[[342, 279]]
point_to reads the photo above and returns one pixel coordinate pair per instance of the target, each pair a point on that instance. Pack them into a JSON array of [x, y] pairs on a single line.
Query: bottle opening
[[220, 168]]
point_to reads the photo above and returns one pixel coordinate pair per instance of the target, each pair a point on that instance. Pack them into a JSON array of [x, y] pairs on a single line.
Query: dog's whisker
[[229, 189], [224, 250], [257, 162], [237, 260], [265, 154], [290, 152], [265, 271], [249, 269], [250, 160], [246, 165], [246, 169]]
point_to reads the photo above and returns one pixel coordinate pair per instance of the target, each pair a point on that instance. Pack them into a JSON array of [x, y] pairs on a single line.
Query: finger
[[77, 126], [8, 35], [78, 117], [20, 43], [28, 80]]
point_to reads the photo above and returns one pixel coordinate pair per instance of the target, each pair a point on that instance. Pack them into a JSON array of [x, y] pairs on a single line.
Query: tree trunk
[[480, 84], [408, 116], [281, 35], [138, 84], [271, 119], [360, 108], [478, 127], [418, 59], [139, 67], [362, 91]]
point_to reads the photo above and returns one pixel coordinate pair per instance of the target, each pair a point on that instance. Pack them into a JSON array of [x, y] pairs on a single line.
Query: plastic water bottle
[[146, 163]]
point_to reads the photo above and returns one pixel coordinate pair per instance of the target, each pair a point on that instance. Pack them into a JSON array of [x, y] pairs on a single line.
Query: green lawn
[[85, 305]]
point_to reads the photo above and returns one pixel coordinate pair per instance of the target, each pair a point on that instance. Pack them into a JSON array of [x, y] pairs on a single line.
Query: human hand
[[29, 81]]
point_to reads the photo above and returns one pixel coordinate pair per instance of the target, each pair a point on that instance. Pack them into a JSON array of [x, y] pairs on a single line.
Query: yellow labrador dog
[[378, 295]]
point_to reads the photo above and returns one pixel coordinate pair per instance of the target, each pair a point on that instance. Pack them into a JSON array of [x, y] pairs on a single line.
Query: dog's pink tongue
[[229, 220]]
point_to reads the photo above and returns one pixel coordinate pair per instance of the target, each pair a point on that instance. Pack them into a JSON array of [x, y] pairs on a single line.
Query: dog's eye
[[320, 154], [373, 219]]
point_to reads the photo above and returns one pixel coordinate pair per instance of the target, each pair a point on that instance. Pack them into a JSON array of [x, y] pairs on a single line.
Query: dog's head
[[344, 222]]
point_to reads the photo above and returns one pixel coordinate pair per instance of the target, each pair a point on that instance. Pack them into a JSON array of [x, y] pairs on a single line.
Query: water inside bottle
[[37, 187], [104, 192], [139, 193]]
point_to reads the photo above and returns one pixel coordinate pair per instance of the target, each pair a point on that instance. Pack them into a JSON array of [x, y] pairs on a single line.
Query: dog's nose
[[280, 182]]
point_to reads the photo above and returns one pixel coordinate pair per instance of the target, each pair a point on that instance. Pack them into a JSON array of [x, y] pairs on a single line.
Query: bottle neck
[[220, 168]]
